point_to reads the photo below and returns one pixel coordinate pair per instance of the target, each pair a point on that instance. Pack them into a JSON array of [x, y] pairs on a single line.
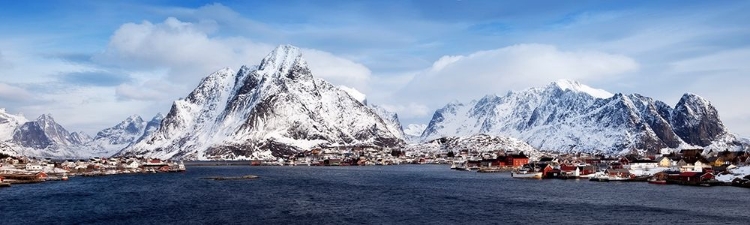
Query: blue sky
[[91, 64]]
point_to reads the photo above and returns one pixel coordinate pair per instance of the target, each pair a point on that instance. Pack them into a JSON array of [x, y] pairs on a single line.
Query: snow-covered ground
[[738, 172], [650, 171]]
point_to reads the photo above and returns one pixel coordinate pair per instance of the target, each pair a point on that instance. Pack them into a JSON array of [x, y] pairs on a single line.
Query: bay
[[404, 194]]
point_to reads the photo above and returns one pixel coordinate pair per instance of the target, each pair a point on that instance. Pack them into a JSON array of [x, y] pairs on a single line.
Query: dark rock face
[[32, 135], [43, 133], [151, 127], [696, 121]]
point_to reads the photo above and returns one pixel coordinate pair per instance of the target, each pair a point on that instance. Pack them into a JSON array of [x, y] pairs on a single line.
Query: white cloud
[[143, 92], [409, 110], [13, 93], [721, 62], [444, 61], [510, 68], [337, 70], [186, 49], [190, 52]]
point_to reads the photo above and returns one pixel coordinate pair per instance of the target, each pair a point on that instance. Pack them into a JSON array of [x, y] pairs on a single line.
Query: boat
[[64, 176], [525, 173], [657, 181], [2, 182], [600, 177], [460, 165]]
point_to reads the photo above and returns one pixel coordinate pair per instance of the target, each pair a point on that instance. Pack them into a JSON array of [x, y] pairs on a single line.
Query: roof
[[691, 150], [520, 156], [546, 159], [643, 161], [691, 174]]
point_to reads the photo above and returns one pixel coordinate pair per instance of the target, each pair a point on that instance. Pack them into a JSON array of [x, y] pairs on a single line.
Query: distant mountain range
[[44, 137], [568, 116], [278, 108]]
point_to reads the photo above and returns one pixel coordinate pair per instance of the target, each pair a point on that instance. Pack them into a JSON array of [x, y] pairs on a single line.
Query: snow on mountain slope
[[276, 108], [575, 86], [477, 142], [151, 127], [391, 120], [45, 138], [112, 140], [568, 116], [359, 96], [413, 132], [415, 129], [8, 124]]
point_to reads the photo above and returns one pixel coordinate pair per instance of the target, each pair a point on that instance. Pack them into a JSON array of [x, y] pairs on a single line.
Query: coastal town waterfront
[[27, 170], [400, 194]]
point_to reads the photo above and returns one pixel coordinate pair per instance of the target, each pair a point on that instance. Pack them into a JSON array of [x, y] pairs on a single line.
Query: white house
[[643, 164], [34, 167], [132, 164]]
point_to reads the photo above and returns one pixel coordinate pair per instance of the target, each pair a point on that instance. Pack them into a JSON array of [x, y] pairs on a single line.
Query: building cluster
[[352, 156], [688, 166], [32, 170]]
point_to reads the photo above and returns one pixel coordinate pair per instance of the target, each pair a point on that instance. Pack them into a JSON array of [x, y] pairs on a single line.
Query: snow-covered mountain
[[43, 137], [477, 142], [112, 140], [275, 108], [8, 124], [413, 132], [569, 116], [391, 120]]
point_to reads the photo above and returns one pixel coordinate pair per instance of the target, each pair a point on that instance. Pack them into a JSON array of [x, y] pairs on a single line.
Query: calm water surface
[[410, 194]]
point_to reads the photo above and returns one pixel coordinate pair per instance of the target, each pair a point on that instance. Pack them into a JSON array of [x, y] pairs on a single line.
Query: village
[[688, 167], [25, 170]]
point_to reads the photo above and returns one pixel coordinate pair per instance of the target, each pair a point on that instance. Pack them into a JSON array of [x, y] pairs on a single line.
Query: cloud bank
[[516, 67]]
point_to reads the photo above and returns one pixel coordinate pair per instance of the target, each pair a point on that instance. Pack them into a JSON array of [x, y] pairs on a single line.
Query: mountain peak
[[282, 58], [690, 97], [134, 117], [46, 117], [158, 117], [576, 86]]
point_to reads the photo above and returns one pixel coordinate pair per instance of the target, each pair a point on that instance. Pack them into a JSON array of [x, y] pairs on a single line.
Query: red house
[[690, 178], [517, 161]]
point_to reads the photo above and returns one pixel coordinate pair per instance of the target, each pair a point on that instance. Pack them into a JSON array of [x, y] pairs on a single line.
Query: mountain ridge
[[563, 118]]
